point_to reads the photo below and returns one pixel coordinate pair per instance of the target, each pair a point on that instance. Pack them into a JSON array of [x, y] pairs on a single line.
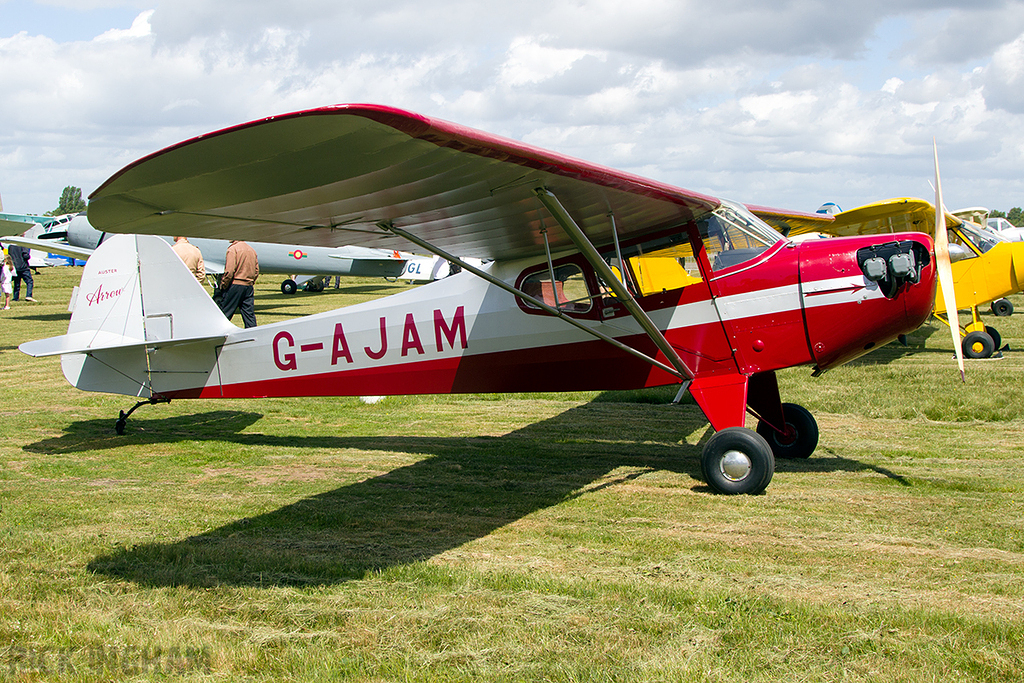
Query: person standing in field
[[240, 272], [7, 281], [22, 271], [191, 256]]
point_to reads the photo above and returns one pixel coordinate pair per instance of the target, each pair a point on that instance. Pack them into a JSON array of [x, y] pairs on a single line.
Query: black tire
[[997, 339], [978, 345], [1002, 308], [737, 460], [289, 286], [801, 437]]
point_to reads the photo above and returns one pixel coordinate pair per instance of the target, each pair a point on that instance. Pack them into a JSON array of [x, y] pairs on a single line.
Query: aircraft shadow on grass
[[916, 345], [465, 489], [44, 317]]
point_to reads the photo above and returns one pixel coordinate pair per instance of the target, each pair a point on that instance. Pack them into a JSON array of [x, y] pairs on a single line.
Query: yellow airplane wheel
[[978, 345]]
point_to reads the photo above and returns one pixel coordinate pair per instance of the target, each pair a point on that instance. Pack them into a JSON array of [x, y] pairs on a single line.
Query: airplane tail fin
[[134, 313]]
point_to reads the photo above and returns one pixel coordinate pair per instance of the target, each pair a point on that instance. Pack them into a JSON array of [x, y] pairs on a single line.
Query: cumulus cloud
[[767, 104], [1003, 79], [140, 28]]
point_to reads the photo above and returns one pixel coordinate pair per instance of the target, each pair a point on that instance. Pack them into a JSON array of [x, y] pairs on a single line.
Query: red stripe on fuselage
[[580, 366]]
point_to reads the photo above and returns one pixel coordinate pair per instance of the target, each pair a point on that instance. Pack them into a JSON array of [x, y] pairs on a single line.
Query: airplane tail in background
[[136, 307]]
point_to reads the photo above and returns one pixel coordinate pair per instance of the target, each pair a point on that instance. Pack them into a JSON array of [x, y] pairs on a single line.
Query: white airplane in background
[[32, 226], [309, 265], [429, 268]]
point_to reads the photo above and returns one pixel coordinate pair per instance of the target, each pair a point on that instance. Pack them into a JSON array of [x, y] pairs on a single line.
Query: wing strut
[[536, 302], [589, 252], [618, 250]]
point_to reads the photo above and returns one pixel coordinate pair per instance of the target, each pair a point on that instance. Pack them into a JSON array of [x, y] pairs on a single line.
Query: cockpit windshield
[[733, 235]]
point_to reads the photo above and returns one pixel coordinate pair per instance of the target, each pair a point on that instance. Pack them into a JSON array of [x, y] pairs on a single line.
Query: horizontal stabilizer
[[87, 342]]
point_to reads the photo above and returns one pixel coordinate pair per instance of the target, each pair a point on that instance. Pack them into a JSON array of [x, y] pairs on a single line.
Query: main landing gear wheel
[[289, 286], [997, 339], [800, 437], [1002, 307], [737, 460], [978, 345]]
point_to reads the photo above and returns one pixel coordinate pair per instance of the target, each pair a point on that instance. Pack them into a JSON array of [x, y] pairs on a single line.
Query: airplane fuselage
[[795, 304]]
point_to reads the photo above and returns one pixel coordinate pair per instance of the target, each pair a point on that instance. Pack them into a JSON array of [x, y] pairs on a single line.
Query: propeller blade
[[945, 270]]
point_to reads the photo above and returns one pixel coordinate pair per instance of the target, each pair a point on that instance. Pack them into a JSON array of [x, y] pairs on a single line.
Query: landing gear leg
[[735, 459], [122, 421]]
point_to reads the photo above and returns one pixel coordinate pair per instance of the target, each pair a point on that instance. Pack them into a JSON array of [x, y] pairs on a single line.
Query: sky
[[787, 103]]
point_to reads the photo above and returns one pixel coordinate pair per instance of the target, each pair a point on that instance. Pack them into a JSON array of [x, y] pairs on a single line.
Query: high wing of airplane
[[20, 222], [889, 216], [986, 266], [82, 239], [1001, 226], [554, 306]]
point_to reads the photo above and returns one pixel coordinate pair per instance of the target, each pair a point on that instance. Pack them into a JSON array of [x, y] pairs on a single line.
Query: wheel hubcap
[[735, 465]]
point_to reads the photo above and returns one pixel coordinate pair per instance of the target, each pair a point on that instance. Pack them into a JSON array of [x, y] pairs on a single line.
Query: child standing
[[7, 281]]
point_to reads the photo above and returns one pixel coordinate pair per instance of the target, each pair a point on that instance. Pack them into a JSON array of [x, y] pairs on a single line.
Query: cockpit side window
[[568, 291], [656, 265]]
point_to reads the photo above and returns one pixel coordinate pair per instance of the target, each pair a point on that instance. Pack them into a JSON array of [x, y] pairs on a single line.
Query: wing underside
[[334, 176], [49, 246]]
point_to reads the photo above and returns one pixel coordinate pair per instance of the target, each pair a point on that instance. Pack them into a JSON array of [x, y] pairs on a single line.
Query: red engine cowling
[[859, 293]]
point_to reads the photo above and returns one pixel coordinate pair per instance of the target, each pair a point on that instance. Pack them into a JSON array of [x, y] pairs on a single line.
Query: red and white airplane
[[557, 304]]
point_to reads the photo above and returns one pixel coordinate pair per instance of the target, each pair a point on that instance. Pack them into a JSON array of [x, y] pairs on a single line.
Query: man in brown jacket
[[240, 272], [193, 258]]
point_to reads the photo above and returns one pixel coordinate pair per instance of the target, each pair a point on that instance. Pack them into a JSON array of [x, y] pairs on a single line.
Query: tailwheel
[[122, 420], [978, 344], [800, 437], [737, 460]]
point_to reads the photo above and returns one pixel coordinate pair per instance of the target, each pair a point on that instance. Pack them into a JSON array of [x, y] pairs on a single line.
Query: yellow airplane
[[985, 264]]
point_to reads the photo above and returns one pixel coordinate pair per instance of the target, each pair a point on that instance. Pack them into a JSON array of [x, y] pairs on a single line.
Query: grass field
[[555, 537]]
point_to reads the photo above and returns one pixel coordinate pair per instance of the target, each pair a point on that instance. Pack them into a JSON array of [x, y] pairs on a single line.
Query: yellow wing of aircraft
[[985, 264]]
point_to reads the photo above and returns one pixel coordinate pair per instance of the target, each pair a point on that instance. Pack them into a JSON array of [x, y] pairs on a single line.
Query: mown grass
[[560, 537]]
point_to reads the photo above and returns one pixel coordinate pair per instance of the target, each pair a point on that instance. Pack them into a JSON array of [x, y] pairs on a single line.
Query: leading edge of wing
[[901, 214], [331, 176], [791, 223]]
